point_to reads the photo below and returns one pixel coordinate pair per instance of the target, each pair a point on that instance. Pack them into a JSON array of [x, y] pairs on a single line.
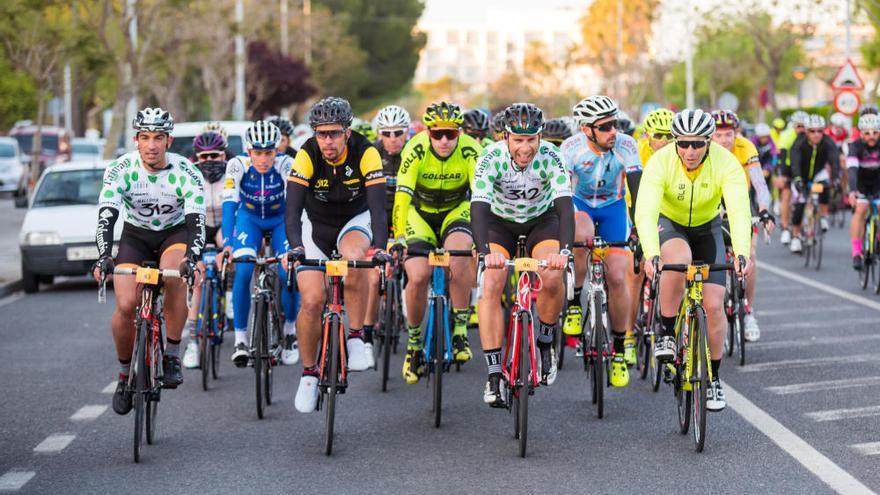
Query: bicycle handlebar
[[166, 273], [451, 252]]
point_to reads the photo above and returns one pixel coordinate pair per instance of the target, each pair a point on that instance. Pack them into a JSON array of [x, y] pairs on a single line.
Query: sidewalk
[[10, 225]]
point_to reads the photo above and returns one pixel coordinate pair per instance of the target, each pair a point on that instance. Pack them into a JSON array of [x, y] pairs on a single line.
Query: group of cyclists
[[462, 180]]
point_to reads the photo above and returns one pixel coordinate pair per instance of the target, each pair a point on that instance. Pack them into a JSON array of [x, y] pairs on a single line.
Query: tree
[[17, 94], [275, 81], [871, 49], [776, 48]]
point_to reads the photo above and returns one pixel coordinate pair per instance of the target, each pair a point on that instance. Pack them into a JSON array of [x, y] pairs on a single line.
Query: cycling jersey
[[807, 160], [747, 156], [390, 166], [645, 150], [863, 168], [693, 198], [767, 154], [430, 183], [247, 190], [599, 178]]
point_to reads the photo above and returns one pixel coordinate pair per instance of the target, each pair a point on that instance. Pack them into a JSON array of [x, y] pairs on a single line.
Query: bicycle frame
[[596, 292], [437, 295], [528, 285], [335, 272], [214, 307]]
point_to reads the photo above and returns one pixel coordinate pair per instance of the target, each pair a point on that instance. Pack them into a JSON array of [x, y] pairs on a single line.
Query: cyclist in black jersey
[[812, 155]]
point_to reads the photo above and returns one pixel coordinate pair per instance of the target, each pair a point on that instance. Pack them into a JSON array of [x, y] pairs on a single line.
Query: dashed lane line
[[838, 414], [806, 363], [15, 479], [54, 443], [864, 301], [88, 413], [811, 341], [800, 388]]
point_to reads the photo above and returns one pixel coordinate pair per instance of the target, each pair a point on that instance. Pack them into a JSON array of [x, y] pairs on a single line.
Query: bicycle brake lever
[[102, 290]]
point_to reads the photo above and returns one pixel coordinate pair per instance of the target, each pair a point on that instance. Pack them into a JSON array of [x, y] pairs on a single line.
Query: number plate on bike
[[698, 273], [525, 265], [599, 254], [818, 188], [438, 259], [147, 276], [336, 268]]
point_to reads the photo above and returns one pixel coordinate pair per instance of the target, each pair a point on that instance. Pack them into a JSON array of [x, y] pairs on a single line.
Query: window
[[49, 143], [70, 187], [7, 150]]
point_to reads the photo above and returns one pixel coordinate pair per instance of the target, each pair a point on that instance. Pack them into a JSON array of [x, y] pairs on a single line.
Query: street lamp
[[800, 73]]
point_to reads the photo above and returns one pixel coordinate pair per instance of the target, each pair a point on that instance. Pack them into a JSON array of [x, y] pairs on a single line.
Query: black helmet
[[476, 120], [498, 122], [523, 118], [556, 130], [330, 110], [283, 125]]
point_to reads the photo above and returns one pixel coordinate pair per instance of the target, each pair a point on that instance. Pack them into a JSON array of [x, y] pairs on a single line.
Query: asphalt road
[[802, 417]]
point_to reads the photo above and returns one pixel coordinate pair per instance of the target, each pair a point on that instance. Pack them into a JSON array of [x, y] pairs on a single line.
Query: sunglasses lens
[[389, 134], [449, 134], [692, 144]]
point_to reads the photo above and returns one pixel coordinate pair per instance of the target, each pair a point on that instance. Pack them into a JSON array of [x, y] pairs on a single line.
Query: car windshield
[[182, 145], [69, 187], [7, 150], [49, 143], [86, 148]]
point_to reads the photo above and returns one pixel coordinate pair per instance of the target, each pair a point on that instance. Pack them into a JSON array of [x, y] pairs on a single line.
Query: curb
[[11, 287]]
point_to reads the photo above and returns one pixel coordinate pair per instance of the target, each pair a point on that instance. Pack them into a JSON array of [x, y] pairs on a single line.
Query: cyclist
[[796, 126], [210, 155], [604, 163], [811, 156], [253, 205], [556, 131], [431, 209], [521, 187], [657, 133], [681, 190], [391, 123], [625, 124], [476, 125], [768, 155], [285, 127], [863, 170], [496, 125], [336, 202], [164, 223], [726, 125], [365, 129]]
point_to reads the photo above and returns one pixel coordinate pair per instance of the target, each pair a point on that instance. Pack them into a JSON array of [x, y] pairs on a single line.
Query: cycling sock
[[618, 338], [460, 317], [355, 333], [415, 337], [716, 363], [290, 327], [668, 326], [124, 367], [310, 371], [545, 334], [629, 333], [172, 348], [189, 328], [240, 336], [493, 361], [368, 334], [856, 247]]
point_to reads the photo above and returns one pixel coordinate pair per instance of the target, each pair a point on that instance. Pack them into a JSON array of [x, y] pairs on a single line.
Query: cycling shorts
[[322, 239], [425, 230], [611, 221], [249, 230], [705, 242], [137, 245], [540, 231]]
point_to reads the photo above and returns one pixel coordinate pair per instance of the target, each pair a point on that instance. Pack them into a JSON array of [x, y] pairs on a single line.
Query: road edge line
[[864, 301]]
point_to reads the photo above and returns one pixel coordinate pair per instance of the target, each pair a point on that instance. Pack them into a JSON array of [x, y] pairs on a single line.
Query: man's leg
[[353, 245], [174, 308], [673, 251], [492, 330], [857, 231], [550, 302], [311, 286], [584, 230], [462, 279]]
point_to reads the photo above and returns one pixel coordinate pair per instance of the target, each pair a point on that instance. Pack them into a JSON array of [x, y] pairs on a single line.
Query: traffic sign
[[848, 78], [847, 102]]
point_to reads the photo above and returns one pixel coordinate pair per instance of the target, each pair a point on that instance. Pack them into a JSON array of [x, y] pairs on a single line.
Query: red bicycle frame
[[528, 286]]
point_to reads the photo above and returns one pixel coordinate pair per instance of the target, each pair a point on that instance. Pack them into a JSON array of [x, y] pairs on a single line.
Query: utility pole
[[307, 16], [131, 107], [238, 105]]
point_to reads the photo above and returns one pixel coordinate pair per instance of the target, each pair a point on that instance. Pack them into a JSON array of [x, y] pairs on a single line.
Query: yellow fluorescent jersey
[[693, 199], [645, 150], [746, 154]]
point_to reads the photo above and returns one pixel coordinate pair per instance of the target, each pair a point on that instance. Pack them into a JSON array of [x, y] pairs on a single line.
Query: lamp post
[[800, 73]]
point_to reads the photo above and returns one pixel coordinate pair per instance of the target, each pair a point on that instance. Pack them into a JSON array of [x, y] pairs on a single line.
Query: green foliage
[[18, 96]]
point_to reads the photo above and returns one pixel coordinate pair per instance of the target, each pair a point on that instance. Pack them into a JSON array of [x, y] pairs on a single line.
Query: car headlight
[[42, 238]]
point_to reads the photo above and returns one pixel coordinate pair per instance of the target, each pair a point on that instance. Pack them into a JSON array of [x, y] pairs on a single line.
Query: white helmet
[[263, 135], [799, 117], [839, 120], [762, 130], [816, 121], [693, 123], [390, 117], [869, 122], [153, 120], [215, 126], [594, 108]]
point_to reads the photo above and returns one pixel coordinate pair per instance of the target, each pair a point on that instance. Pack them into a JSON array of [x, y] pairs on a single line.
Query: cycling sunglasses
[[335, 134], [607, 126], [439, 134], [390, 134], [209, 155], [557, 142], [692, 144], [661, 137]]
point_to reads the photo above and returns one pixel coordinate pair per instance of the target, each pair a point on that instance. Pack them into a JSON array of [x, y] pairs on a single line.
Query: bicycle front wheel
[[388, 330], [140, 389], [205, 320], [819, 237], [700, 377], [257, 334], [331, 378], [525, 370], [599, 351], [438, 357]]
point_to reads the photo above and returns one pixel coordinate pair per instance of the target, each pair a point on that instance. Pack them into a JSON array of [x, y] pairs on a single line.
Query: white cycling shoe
[[307, 394], [357, 354]]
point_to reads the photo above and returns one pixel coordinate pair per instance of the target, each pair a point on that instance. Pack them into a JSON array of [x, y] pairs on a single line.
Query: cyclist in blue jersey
[[603, 163], [253, 203]]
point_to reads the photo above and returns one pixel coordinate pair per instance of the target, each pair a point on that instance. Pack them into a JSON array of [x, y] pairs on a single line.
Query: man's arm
[[109, 206]]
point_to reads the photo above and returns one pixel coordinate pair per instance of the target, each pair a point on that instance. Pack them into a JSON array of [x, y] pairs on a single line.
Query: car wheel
[[30, 280], [47, 279]]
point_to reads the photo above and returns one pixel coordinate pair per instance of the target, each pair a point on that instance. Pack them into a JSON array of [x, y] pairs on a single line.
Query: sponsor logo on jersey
[[442, 176]]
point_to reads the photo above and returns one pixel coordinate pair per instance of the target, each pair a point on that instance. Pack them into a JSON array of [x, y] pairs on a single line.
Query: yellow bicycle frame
[[696, 274]]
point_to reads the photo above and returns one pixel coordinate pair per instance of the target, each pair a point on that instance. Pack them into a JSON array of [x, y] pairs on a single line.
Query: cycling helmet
[[869, 122], [209, 141], [476, 120], [572, 124], [626, 125], [262, 135], [390, 117], [816, 121], [725, 119], [365, 129], [799, 117], [153, 120], [330, 110], [556, 129], [762, 130], [659, 121], [216, 127], [839, 120], [594, 108], [868, 108], [443, 114], [285, 126], [523, 119], [497, 123], [693, 123], [778, 123]]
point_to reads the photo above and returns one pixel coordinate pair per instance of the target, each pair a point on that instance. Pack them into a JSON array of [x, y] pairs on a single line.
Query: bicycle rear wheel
[[741, 330], [257, 336], [331, 378], [525, 387], [140, 381], [700, 378], [438, 355]]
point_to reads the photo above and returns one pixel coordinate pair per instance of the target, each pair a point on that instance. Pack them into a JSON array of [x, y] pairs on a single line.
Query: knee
[[311, 302], [493, 285], [417, 277], [714, 306]]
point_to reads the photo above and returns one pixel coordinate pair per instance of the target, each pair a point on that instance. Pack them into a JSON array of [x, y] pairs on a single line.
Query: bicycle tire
[[387, 331], [731, 298], [867, 270], [437, 359], [808, 235], [203, 332], [267, 351], [332, 380], [875, 254], [699, 386], [599, 361], [683, 397], [152, 410], [526, 383], [741, 333], [819, 238], [257, 337], [140, 380], [559, 344]]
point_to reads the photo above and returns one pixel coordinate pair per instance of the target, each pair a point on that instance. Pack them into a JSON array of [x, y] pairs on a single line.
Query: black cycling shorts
[[137, 245], [705, 241], [503, 234]]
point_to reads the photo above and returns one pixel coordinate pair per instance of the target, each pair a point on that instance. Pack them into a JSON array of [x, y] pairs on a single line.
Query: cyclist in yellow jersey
[[432, 208], [726, 125], [678, 219]]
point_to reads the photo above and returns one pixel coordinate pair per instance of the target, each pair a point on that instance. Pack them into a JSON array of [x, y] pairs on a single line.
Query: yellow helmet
[[443, 114], [659, 121]]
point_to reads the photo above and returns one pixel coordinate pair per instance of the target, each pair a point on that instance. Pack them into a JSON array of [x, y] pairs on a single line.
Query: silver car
[[10, 164]]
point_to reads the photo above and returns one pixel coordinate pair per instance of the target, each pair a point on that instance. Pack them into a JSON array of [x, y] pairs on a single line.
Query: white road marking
[[11, 299], [807, 363], [870, 448], [109, 389], [809, 341], [801, 310], [54, 443], [864, 301], [838, 414], [799, 388], [797, 325], [785, 288], [14, 480], [824, 468], [88, 413]]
